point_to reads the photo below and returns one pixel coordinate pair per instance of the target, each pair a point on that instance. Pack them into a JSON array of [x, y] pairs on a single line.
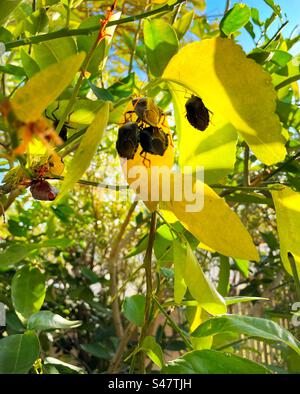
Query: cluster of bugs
[[145, 131]]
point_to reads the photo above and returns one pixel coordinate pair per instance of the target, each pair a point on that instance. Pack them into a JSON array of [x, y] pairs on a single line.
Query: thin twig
[[149, 289], [174, 325], [112, 259], [274, 37], [87, 31], [115, 362], [246, 166]]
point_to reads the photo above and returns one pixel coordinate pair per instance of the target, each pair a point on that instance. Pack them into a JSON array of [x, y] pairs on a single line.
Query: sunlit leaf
[[153, 351], [235, 87], [214, 149], [44, 87], [161, 44], [86, 150], [28, 291], [264, 329], [6, 8], [215, 224], [287, 206], [235, 18]]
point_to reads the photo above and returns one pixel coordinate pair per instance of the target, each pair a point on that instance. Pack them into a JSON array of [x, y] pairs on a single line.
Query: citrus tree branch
[[83, 32]]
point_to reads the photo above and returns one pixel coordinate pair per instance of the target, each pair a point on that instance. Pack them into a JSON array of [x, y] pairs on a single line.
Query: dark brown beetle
[[42, 190], [153, 140], [197, 114], [128, 140]]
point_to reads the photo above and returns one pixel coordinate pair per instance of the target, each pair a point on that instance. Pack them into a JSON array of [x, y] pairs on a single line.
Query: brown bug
[[147, 111], [42, 190], [153, 140], [128, 140], [196, 113]]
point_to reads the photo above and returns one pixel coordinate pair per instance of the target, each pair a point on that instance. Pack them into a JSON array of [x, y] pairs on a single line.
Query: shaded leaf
[[212, 362], [133, 309], [18, 353]]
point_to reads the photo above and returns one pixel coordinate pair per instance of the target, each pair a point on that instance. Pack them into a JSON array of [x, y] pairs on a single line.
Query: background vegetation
[[80, 289]]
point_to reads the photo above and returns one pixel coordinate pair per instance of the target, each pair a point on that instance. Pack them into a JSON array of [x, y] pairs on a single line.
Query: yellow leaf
[[214, 149], [287, 205], [234, 88], [216, 225], [44, 87], [86, 150]]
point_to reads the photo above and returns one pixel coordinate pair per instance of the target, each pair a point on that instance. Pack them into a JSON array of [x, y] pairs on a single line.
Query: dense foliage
[[91, 282]]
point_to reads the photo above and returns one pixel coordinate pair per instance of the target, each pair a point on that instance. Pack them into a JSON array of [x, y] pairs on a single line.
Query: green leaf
[[37, 21], [47, 320], [224, 275], [153, 351], [139, 248], [161, 44], [13, 254], [18, 252], [179, 268], [182, 24], [28, 291], [289, 114], [253, 326], [54, 51], [212, 362], [238, 299], [276, 8], [86, 150], [133, 309], [6, 8], [44, 87], [29, 64], [85, 43], [13, 70], [235, 18], [243, 266], [18, 353]]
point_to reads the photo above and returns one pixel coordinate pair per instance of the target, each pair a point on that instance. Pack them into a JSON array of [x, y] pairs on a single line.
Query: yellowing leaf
[[287, 205], [216, 225], [86, 149], [214, 149], [234, 87], [44, 87], [201, 289]]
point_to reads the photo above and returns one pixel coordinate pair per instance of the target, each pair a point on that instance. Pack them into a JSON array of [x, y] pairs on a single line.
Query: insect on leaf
[[234, 87]]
